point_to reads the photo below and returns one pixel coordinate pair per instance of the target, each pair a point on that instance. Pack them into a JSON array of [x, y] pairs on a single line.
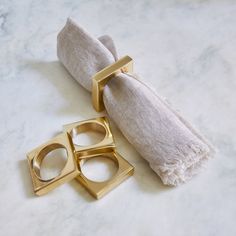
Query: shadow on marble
[[148, 180], [78, 98], [82, 192], [28, 188], [26, 178]]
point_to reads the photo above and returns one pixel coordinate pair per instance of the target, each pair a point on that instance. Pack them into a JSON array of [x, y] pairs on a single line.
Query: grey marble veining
[[184, 49]]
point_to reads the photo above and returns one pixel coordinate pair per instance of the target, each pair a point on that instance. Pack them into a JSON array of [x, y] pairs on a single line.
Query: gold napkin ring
[[36, 156], [100, 125], [77, 155], [99, 189], [100, 79], [105, 148]]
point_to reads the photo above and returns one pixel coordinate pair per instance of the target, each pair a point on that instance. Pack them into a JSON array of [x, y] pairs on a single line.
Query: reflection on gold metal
[[76, 156], [99, 189], [99, 124], [104, 148], [100, 79], [36, 156]]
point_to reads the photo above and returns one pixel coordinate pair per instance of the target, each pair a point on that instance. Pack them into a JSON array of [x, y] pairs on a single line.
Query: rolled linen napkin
[[174, 150]]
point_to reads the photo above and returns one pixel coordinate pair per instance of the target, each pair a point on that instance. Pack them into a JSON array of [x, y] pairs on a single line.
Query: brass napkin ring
[[36, 156], [76, 156], [105, 148], [99, 189], [100, 125], [100, 79]]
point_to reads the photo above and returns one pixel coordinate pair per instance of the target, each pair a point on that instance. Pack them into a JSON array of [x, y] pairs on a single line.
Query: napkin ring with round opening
[[76, 156], [99, 189], [99, 124], [106, 148], [36, 156]]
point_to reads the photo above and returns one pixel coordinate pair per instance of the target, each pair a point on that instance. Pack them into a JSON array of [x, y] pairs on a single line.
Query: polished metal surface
[[125, 65], [77, 155], [105, 148], [100, 125], [99, 189], [36, 156]]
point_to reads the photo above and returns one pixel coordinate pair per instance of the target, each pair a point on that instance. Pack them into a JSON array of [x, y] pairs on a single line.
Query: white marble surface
[[185, 49]]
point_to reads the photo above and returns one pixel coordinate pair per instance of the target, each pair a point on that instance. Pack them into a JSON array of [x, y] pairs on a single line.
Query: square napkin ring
[[99, 189], [99, 124], [36, 156], [100, 79], [105, 148], [76, 156]]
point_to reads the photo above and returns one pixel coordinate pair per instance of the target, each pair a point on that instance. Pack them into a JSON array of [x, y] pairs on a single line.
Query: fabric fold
[[174, 150]]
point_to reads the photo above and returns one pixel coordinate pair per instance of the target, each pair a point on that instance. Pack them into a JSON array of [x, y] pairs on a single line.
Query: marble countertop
[[185, 49]]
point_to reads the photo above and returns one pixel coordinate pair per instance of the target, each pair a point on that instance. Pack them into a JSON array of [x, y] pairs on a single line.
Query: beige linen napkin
[[174, 150]]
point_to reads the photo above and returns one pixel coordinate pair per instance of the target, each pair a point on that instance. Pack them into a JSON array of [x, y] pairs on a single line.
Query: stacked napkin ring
[[100, 79], [76, 156]]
